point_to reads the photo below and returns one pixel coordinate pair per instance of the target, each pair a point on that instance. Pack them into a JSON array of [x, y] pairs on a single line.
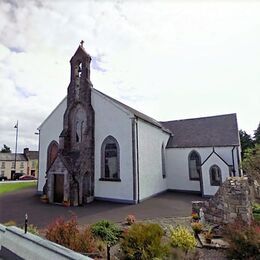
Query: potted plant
[[195, 216], [130, 219], [197, 227], [66, 203], [208, 237], [44, 198]]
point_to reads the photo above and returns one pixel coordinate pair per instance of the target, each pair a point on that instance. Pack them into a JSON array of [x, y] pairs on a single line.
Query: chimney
[[26, 151]]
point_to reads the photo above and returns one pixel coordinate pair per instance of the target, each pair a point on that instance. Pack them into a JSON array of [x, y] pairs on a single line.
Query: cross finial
[[81, 43]]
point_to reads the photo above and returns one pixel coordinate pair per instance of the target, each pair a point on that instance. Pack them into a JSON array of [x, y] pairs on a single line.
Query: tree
[[246, 141], [251, 162], [257, 134], [6, 149]]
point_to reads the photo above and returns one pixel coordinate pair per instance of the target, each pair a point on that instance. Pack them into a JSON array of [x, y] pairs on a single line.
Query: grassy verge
[[9, 187]]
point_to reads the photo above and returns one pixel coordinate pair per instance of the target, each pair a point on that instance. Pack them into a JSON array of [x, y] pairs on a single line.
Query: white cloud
[[168, 59]]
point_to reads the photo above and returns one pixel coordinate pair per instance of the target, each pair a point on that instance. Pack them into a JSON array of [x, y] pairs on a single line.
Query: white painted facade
[[113, 120], [208, 189], [150, 141], [140, 153], [50, 130], [177, 167]]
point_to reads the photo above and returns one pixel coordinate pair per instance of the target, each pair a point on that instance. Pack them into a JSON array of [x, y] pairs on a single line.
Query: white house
[[95, 147]]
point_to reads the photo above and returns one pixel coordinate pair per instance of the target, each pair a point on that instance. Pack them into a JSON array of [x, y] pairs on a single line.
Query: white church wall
[[150, 140], [111, 119], [49, 131], [208, 189], [178, 168]]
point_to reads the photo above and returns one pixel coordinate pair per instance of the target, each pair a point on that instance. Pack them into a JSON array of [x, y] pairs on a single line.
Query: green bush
[[33, 229], [244, 241], [182, 238], [106, 231], [144, 241], [256, 208]]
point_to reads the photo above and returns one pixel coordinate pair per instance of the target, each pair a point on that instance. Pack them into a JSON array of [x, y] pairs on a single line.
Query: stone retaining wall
[[231, 202]]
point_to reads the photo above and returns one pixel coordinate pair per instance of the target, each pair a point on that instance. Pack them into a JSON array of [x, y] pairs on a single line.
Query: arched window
[[81, 130], [194, 166], [79, 119], [215, 175], [110, 166], [163, 161], [52, 153], [78, 134]]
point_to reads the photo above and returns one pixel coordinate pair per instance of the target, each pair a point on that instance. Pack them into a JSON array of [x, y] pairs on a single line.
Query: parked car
[[17, 175], [3, 178], [27, 178]]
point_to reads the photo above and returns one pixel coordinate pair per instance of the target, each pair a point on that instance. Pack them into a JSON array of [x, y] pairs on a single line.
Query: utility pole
[[16, 139]]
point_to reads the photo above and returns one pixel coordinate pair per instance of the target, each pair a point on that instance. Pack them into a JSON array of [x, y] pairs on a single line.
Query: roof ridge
[[196, 118]]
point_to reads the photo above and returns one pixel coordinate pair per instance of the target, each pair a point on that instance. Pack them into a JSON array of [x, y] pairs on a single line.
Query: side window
[[110, 163], [194, 166], [215, 176]]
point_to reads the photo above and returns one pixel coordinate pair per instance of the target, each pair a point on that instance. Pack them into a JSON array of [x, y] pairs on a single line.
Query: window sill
[[194, 179], [108, 179], [215, 184]]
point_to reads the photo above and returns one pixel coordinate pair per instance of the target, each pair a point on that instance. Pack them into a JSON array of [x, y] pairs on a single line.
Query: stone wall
[[231, 202]]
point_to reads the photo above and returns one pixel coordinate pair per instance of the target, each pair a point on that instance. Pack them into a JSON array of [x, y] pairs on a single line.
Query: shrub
[[63, 232], [195, 216], [182, 238], [106, 231], [244, 241], [33, 229], [10, 223], [144, 241], [197, 227], [66, 233], [130, 219]]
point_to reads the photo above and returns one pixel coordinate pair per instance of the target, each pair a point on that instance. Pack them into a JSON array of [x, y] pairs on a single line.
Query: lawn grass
[[9, 187]]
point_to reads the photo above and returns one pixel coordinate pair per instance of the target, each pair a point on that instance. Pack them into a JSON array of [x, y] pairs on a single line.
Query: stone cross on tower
[[81, 43]]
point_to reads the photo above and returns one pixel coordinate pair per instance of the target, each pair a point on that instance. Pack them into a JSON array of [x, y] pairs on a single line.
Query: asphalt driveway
[[14, 206]]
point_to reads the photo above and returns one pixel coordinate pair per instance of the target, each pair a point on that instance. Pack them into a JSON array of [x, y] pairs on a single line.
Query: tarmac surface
[[15, 205]]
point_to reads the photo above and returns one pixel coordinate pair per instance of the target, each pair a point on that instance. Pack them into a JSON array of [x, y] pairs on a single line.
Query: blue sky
[[168, 59]]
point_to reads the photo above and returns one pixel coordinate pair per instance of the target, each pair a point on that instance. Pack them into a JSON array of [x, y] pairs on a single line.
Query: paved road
[[13, 206]]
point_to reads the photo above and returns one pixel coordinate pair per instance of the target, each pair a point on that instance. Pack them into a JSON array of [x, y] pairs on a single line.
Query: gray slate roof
[[33, 155], [11, 156], [211, 131]]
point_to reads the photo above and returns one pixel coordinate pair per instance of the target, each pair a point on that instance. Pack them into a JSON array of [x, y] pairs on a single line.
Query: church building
[[94, 147]]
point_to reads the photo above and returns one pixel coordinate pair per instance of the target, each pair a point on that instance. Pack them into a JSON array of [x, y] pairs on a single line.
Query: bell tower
[[76, 142]]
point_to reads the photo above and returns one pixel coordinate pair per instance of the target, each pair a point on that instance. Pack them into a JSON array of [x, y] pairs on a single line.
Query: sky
[[169, 59]]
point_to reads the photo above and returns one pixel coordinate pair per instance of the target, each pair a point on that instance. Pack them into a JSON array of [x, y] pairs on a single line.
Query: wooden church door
[[58, 188]]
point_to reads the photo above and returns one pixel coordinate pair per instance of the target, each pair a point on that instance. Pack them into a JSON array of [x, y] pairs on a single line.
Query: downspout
[[238, 162], [233, 161], [134, 159], [38, 166], [137, 161]]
